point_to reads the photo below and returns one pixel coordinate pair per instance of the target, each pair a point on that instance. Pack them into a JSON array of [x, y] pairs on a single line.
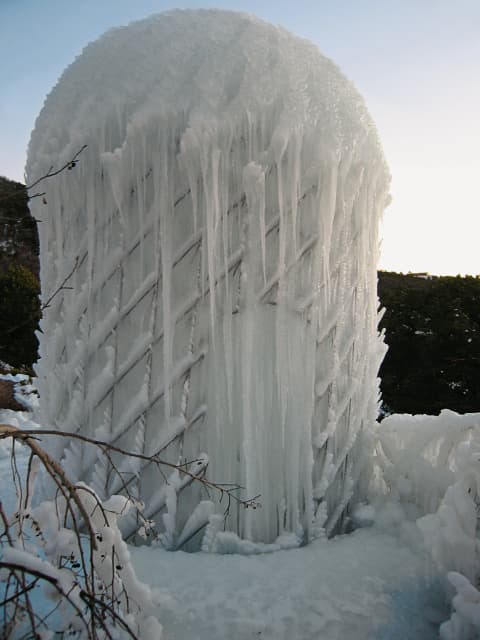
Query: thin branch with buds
[[68, 166], [100, 607], [225, 489], [97, 590], [62, 287], [54, 172]]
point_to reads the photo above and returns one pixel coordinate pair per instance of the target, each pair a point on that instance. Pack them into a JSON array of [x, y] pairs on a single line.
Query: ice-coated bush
[[64, 567]]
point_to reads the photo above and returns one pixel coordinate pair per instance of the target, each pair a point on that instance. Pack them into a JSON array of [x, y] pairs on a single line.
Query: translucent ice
[[221, 226]]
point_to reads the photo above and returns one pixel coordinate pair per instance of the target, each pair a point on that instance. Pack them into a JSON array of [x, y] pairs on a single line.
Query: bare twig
[[54, 172], [46, 305], [55, 470], [100, 600], [50, 173], [14, 567], [60, 288], [223, 488], [104, 607]]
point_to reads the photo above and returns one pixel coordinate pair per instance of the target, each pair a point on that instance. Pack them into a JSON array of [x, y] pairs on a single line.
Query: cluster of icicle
[[221, 227]]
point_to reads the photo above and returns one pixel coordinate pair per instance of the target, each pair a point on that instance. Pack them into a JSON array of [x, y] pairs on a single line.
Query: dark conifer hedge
[[433, 332]]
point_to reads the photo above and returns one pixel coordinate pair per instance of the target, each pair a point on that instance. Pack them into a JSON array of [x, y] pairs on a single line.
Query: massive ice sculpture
[[221, 226]]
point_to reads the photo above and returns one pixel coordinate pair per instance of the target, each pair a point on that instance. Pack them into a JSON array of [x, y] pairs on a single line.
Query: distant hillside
[[18, 231], [19, 285], [433, 331]]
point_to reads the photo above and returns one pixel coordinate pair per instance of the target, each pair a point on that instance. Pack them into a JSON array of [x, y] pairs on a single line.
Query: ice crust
[[223, 220]]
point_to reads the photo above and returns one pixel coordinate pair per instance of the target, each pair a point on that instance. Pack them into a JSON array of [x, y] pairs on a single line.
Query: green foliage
[[19, 287], [13, 198], [433, 331], [19, 316], [18, 232]]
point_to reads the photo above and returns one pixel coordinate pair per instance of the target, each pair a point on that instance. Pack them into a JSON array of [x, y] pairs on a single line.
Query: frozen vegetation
[[221, 227], [407, 572]]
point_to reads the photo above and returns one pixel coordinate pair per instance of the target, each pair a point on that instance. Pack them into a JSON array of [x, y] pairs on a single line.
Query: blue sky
[[416, 62]]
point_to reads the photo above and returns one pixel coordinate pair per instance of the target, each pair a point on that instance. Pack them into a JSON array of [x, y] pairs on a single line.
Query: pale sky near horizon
[[417, 64]]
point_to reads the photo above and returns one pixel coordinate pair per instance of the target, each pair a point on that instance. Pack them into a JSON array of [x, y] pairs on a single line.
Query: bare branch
[[223, 488], [51, 172], [100, 600], [46, 305], [55, 470], [61, 287]]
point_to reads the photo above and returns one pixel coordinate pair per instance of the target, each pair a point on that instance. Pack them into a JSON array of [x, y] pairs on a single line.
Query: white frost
[[223, 220]]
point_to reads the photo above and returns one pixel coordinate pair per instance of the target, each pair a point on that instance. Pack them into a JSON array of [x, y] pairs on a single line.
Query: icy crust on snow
[[221, 226]]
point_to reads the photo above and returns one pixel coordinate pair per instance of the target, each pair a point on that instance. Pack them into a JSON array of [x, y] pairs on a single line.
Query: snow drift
[[221, 232]]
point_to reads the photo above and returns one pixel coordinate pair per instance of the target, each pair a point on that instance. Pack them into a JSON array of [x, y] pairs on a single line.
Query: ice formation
[[220, 229]]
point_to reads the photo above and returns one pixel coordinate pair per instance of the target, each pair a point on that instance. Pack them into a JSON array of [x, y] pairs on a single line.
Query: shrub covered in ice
[[465, 621], [64, 568], [220, 229], [422, 456], [431, 467]]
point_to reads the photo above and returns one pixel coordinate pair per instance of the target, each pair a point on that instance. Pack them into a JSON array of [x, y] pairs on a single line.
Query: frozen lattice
[[221, 226]]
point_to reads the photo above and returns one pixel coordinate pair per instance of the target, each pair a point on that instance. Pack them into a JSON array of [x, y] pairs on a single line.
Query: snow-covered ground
[[414, 552], [366, 585], [24, 392], [379, 582]]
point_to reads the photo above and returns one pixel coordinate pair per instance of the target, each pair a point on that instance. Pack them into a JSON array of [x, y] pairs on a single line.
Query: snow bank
[[421, 456], [220, 229], [431, 468]]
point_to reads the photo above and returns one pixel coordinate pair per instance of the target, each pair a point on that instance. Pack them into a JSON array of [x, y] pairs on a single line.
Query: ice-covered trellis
[[223, 223]]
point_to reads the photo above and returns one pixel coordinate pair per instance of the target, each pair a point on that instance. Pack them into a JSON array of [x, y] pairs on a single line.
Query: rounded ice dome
[[218, 235], [211, 66]]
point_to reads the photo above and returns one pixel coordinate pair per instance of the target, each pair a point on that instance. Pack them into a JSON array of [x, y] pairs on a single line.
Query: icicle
[[196, 521], [222, 231]]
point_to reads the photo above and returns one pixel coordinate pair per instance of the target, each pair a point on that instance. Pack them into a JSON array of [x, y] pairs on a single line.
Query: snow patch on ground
[[25, 391], [365, 585]]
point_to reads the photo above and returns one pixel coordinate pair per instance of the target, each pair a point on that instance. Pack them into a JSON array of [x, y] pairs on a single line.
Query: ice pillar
[[218, 238]]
